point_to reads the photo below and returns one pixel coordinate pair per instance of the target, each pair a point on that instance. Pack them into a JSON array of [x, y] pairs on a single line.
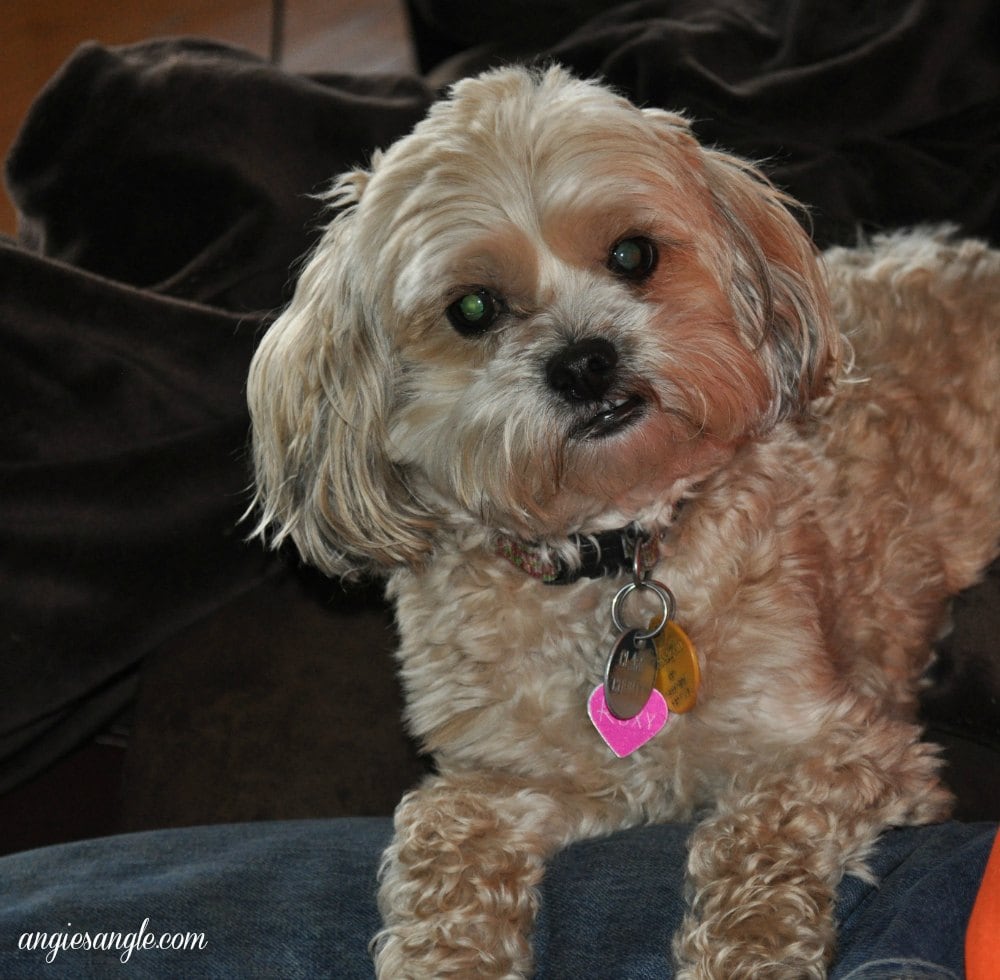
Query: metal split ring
[[638, 539], [665, 596]]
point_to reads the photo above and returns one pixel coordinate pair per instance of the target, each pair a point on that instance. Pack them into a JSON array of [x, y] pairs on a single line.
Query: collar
[[589, 555]]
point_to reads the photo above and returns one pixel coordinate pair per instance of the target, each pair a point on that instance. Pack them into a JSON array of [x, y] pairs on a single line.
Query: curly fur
[[828, 511]]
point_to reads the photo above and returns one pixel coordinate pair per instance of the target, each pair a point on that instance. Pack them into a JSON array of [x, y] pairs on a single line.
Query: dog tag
[[624, 737], [629, 675], [677, 670]]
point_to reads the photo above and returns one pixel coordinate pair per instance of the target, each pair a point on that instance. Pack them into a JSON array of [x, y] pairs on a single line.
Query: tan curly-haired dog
[[564, 375]]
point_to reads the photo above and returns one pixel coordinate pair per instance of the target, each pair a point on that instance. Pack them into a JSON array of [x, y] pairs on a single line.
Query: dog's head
[[544, 310]]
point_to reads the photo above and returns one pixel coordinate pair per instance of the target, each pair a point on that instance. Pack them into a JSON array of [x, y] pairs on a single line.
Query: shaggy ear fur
[[779, 288], [775, 273], [319, 389]]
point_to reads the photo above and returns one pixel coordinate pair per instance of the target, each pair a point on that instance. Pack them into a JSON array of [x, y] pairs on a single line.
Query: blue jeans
[[297, 899]]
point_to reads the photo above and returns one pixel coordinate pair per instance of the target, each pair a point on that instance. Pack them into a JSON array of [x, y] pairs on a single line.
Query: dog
[[669, 504]]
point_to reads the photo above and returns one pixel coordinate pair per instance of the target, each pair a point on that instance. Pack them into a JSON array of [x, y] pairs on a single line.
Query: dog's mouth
[[613, 417]]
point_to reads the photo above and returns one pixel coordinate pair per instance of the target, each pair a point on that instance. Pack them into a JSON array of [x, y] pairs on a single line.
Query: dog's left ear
[[774, 272], [319, 390], [779, 288]]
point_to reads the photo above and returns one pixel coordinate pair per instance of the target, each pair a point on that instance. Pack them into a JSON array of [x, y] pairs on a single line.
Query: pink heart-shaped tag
[[624, 737]]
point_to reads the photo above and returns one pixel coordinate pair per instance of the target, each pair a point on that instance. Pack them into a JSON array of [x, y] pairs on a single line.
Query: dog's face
[[545, 310]]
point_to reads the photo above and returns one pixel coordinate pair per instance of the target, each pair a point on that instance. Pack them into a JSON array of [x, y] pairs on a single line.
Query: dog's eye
[[633, 258], [474, 312]]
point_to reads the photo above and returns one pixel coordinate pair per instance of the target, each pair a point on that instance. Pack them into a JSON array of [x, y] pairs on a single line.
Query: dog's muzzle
[[585, 373]]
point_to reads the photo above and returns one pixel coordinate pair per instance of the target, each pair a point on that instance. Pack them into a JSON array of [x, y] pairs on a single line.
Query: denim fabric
[[274, 900], [612, 905], [297, 900], [913, 926]]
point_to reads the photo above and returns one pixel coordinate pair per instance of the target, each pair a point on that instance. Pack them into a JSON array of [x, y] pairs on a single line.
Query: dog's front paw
[[419, 951], [459, 882], [781, 933], [762, 893]]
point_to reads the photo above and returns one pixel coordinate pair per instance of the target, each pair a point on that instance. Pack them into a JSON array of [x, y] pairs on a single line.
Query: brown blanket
[[164, 192]]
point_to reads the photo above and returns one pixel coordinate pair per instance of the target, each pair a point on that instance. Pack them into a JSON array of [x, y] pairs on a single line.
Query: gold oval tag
[[677, 670]]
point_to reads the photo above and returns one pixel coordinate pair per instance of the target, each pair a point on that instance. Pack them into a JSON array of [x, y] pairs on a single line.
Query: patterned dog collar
[[604, 553]]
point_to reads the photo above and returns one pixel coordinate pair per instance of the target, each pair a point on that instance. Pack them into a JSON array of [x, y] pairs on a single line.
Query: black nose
[[584, 370]]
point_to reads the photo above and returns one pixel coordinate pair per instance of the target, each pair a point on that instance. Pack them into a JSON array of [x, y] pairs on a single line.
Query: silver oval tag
[[629, 675]]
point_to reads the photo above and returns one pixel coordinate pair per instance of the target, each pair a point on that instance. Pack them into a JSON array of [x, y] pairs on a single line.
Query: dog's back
[[914, 436]]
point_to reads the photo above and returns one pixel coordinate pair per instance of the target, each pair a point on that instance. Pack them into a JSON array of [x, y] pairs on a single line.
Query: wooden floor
[[304, 35]]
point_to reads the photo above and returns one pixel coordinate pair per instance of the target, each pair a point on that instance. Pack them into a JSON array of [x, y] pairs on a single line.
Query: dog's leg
[[459, 882], [763, 869]]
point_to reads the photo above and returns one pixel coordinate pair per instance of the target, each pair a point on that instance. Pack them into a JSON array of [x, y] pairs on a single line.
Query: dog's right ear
[[319, 390]]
